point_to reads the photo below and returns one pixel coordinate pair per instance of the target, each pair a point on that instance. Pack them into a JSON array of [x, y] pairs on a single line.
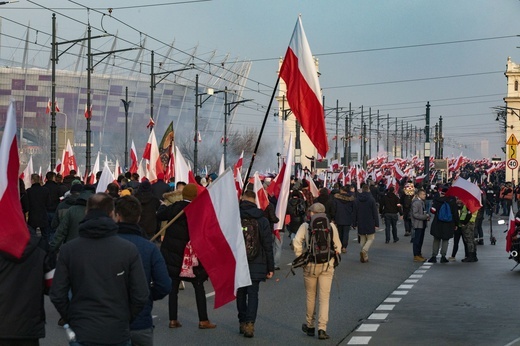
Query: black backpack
[[251, 237], [320, 243]]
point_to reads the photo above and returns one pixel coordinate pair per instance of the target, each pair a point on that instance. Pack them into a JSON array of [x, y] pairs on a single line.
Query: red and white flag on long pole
[[133, 158], [299, 72], [14, 234], [182, 170], [151, 153], [69, 161], [469, 193], [95, 169], [261, 196], [281, 206], [216, 236]]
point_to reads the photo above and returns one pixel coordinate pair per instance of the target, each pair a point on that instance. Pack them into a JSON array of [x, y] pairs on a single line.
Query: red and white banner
[[283, 198], [69, 161], [469, 193], [88, 114], [511, 229], [92, 176], [298, 70], [238, 165], [133, 158], [14, 234], [261, 196], [106, 178], [182, 170], [216, 236], [151, 153], [26, 174]]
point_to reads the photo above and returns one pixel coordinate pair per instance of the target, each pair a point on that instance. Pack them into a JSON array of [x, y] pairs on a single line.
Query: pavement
[[389, 301]]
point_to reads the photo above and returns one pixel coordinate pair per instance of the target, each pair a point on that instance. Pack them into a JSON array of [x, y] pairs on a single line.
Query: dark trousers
[[200, 299], [391, 221], [407, 224], [456, 238], [247, 302], [343, 234], [418, 241]]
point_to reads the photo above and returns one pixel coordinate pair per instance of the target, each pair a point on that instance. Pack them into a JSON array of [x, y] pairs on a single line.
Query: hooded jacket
[[108, 283], [365, 217], [150, 204], [440, 229], [264, 262], [154, 269], [22, 285], [342, 208]]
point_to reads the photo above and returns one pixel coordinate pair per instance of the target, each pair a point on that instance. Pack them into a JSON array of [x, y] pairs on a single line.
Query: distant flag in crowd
[[88, 112], [14, 234], [470, 194], [261, 196], [239, 184], [239, 164], [312, 186], [221, 167], [511, 231], [106, 178], [298, 70], [133, 159], [26, 174], [151, 123], [181, 167], [276, 184], [216, 236], [198, 137], [151, 153], [69, 161], [140, 170], [283, 198], [95, 169], [57, 169], [49, 106], [457, 164], [117, 170]]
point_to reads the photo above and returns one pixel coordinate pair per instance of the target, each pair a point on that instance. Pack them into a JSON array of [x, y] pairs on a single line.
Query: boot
[[249, 329], [206, 325], [174, 324], [241, 328], [308, 330], [472, 257]]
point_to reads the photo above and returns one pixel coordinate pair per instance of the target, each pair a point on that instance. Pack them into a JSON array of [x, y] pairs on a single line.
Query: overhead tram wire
[[116, 8]]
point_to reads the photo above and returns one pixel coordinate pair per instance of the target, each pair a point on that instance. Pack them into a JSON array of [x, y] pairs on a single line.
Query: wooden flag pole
[[163, 230]]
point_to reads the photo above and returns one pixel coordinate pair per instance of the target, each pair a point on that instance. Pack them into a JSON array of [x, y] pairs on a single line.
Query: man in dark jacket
[[127, 211], [22, 286], [105, 275], [389, 209], [342, 208], [150, 204], [260, 268], [440, 230], [38, 197], [159, 188], [54, 197], [366, 220]]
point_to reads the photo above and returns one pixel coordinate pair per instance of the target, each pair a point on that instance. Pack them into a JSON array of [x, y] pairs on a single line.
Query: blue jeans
[[391, 220], [418, 241], [75, 343], [247, 302], [343, 234]]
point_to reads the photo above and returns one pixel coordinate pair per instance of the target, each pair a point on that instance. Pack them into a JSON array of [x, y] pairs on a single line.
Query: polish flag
[[261, 196], [151, 153], [221, 167], [58, 167], [298, 70], [88, 113], [216, 236], [419, 179], [238, 165], [92, 177], [511, 230], [312, 187], [276, 185], [117, 170], [198, 137], [140, 170], [26, 174], [239, 184], [334, 165], [151, 123], [69, 161], [49, 105], [14, 234], [133, 157], [281, 206], [106, 178], [398, 173], [469, 193], [457, 163], [182, 170]]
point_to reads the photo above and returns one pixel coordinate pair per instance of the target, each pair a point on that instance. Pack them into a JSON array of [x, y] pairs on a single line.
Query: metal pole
[[387, 136], [349, 144], [345, 139], [365, 146], [226, 110], [89, 112], [395, 139], [427, 146], [53, 95], [402, 137], [195, 147], [370, 132], [337, 121], [152, 87], [361, 132], [126, 104], [436, 141], [441, 139], [377, 134]]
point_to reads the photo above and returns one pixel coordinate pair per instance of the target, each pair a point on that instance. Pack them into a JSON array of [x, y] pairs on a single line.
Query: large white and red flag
[[14, 234], [298, 70], [238, 166], [216, 236], [95, 169], [261, 196], [151, 153], [26, 174], [469, 193], [276, 184], [69, 161], [221, 167], [283, 198], [106, 178], [182, 170], [134, 166], [511, 230]]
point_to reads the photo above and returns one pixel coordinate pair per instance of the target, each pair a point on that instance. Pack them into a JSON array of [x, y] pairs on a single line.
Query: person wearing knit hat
[[189, 192], [173, 246]]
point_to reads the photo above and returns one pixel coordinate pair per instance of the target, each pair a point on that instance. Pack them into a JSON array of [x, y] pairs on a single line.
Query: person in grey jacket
[[419, 219]]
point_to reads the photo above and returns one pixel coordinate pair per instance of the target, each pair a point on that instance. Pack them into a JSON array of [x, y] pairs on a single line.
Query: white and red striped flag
[[261, 196], [14, 234], [216, 236], [69, 161], [469, 193], [283, 198], [26, 174], [151, 153], [95, 169], [182, 170], [511, 231], [298, 70], [134, 166]]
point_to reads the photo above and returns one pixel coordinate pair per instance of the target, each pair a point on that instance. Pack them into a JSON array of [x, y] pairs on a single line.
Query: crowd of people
[[108, 272]]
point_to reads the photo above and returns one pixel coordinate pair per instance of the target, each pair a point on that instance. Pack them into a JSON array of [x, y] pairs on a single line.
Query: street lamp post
[[126, 104], [198, 104], [228, 108]]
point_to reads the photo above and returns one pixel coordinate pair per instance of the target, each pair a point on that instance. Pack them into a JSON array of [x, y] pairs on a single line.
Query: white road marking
[[400, 293], [210, 294], [386, 307], [359, 340], [392, 300], [378, 316], [416, 276], [405, 287], [365, 327], [410, 281], [420, 271]]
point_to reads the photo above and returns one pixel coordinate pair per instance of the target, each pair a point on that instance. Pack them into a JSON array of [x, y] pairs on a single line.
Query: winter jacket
[[22, 285], [159, 188], [365, 216], [38, 198], [68, 228], [108, 283], [406, 202], [292, 210], [418, 214], [388, 204], [270, 215], [150, 204], [62, 208], [54, 195], [175, 239], [342, 208], [264, 262], [440, 229], [159, 283]]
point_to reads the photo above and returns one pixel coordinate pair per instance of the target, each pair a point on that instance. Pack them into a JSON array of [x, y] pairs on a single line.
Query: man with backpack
[[296, 210], [259, 250], [322, 242], [444, 224]]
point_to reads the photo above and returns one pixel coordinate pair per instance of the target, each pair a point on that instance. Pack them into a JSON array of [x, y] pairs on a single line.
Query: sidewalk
[[450, 304]]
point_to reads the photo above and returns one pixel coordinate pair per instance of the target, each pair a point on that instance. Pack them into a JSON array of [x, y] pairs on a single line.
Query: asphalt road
[[451, 304]]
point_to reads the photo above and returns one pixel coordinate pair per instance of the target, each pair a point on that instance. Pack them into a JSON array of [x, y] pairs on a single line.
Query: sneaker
[[343, 250], [322, 335], [444, 259], [407, 234], [307, 330], [432, 259], [452, 259]]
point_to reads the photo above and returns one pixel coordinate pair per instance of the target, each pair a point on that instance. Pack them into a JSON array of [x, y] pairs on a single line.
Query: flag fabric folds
[[469, 193], [261, 196], [14, 234], [511, 230], [151, 153], [133, 158], [283, 198], [216, 236], [298, 70]]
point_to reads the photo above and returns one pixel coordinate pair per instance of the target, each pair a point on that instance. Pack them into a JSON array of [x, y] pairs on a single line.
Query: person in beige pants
[[317, 277]]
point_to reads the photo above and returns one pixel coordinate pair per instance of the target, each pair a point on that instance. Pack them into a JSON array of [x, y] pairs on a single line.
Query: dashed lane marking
[[392, 300], [359, 340], [368, 327], [378, 316], [386, 307]]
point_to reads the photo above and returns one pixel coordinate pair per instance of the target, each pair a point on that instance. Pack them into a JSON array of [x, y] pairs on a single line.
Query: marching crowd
[[108, 272]]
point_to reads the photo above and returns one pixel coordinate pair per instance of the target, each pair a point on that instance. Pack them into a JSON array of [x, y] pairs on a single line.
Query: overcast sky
[[349, 38]]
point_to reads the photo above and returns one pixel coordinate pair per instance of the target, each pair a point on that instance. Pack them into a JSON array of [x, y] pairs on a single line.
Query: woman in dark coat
[[440, 230], [172, 249]]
